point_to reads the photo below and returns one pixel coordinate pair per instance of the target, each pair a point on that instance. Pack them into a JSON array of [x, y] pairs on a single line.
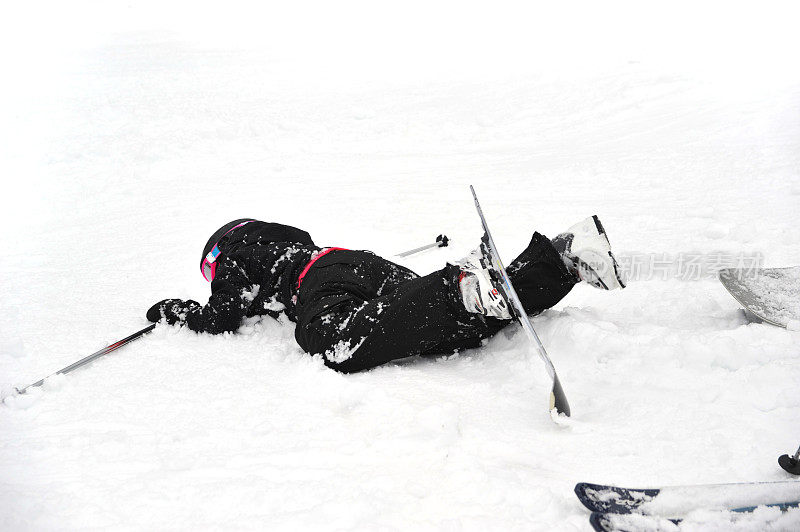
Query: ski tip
[[557, 414], [580, 491], [558, 400], [614, 499]]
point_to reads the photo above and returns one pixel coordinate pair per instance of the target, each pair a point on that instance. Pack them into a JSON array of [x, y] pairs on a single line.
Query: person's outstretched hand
[[171, 310]]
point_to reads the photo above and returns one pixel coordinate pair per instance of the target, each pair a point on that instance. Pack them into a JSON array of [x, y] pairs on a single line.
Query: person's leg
[[539, 275], [540, 278], [354, 332], [359, 310]]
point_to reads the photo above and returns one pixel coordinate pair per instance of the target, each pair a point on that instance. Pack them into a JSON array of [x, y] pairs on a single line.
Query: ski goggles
[[209, 266]]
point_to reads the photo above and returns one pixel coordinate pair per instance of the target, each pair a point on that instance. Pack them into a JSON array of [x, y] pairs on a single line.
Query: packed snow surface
[[129, 132]]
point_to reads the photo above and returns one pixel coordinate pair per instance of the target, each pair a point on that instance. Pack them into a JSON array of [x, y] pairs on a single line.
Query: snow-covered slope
[[128, 134]]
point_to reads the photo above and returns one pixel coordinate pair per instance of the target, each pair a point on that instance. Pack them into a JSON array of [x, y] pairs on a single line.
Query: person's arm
[[231, 294]]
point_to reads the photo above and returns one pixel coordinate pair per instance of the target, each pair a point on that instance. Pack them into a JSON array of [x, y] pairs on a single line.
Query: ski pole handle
[[441, 242]]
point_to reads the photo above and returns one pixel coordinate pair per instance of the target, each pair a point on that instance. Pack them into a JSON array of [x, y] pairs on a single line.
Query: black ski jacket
[[256, 275]]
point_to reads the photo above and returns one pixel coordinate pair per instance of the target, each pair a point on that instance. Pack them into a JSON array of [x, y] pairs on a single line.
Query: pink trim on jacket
[[314, 258]]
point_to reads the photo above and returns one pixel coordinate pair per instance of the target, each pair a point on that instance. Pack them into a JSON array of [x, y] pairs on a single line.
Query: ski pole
[[91, 357], [441, 242]]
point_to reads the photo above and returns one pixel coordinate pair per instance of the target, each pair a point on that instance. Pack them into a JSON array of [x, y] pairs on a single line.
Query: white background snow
[[130, 131]]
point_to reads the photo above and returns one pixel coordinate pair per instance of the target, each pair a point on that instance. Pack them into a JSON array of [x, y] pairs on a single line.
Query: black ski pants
[[359, 310]]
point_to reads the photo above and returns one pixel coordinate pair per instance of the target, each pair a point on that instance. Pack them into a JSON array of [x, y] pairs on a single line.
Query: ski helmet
[[211, 251]]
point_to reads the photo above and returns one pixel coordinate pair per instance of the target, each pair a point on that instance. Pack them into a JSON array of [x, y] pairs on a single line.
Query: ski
[[611, 522], [558, 401], [675, 501], [770, 295]]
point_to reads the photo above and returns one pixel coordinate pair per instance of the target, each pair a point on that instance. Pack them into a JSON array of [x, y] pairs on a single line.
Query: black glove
[[171, 310]]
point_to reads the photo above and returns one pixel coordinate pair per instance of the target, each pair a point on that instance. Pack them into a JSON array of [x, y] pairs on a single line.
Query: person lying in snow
[[358, 310]]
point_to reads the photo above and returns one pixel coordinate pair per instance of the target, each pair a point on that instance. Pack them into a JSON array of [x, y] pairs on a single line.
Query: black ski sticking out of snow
[[675, 501], [558, 400], [612, 522]]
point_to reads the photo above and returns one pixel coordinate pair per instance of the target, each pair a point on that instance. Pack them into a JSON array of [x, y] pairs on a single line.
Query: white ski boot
[[585, 250], [479, 291]]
